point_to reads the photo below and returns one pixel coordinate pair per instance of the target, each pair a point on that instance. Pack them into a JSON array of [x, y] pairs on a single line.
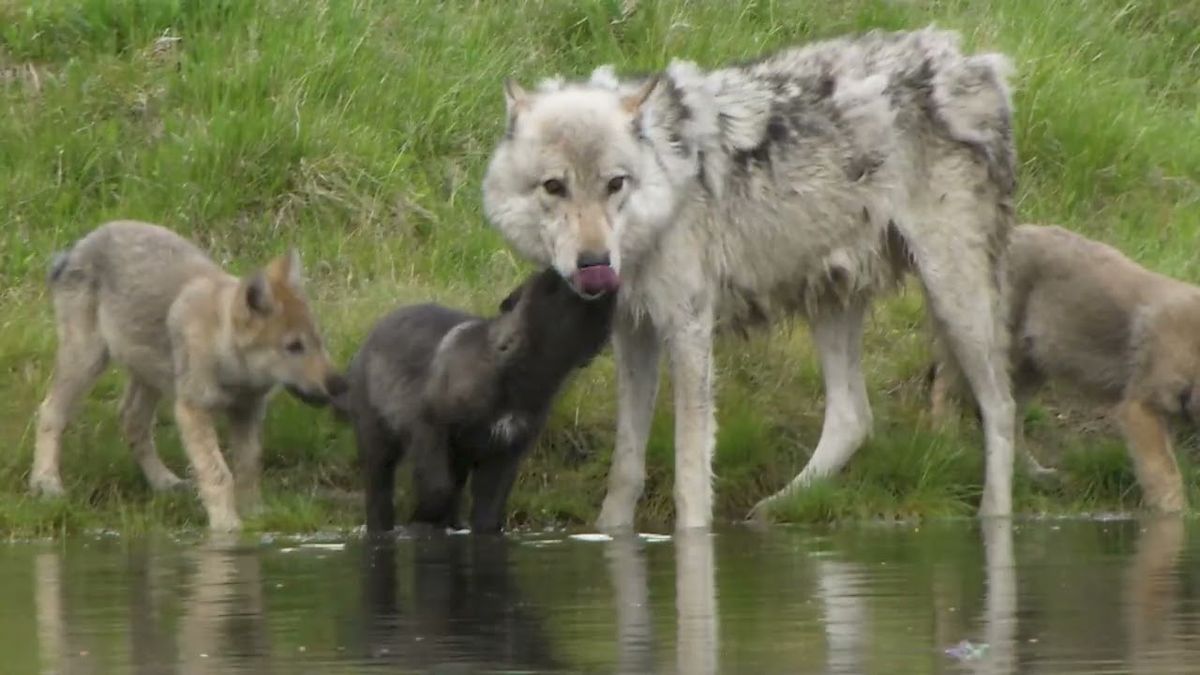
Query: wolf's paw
[[224, 522], [1044, 477], [994, 505], [614, 517], [49, 487], [167, 482], [1168, 503]]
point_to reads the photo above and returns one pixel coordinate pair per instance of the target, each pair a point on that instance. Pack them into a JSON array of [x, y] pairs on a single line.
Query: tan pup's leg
[[213, 478], [1149, 443], [939, 396], [245, 445], [82, 357], [137, 423]]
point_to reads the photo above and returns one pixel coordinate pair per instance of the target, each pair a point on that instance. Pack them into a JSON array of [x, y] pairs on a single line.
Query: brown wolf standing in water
[[149, 300], [1083, 314]]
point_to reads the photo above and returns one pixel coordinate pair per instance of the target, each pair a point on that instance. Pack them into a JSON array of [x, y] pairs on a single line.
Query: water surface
[[1112, 596]]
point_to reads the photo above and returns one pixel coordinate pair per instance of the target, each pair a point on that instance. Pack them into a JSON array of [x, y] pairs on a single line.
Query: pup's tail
[[58, 265]]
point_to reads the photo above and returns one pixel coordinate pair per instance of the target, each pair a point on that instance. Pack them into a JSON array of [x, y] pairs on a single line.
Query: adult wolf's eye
[[555, 187], [615, 184], [295, 347]]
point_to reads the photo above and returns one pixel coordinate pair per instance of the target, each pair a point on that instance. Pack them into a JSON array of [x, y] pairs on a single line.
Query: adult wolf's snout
[[594, 274]]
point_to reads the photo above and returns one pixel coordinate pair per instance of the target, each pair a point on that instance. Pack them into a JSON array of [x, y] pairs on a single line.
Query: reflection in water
[[846, 616], [1111, 597], [631, 595], [1000, 604], [51, 616], [151, 648], [696, 637], [465, 607], [222, 623], [1152, 591], [695, 604], [846, 602]]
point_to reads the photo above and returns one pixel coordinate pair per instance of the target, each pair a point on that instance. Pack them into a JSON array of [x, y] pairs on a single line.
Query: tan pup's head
[[277, 337], [1169, 373]]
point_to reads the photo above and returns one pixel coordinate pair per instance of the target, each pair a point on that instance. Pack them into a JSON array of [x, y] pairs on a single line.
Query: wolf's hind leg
[[138, 405], [837, 335], [961, 281], [81, 359]]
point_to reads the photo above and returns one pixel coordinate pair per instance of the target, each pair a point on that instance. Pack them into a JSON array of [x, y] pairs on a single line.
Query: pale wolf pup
[[804, 182], [1084, 315], [147, 299]]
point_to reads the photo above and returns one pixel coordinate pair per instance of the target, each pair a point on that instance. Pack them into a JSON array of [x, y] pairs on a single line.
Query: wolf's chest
[[509, 427]]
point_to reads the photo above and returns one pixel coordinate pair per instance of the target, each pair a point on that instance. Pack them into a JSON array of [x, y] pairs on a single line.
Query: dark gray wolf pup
[[465, 396]]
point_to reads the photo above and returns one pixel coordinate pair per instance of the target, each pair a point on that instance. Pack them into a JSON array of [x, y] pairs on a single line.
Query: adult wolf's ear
[[256, 291], [516, 101], [633, 102]]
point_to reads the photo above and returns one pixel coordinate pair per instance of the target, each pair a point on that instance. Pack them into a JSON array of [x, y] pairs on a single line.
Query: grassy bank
[[358, 131]]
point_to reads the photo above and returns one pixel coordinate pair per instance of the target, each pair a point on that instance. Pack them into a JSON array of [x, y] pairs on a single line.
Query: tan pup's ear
[[634, 102], [287, 269], [256, 292]]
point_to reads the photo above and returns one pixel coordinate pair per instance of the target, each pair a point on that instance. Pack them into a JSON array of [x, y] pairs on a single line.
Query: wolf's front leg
[[636, 348], [215, 482], [245, 444], [695, 419], [1149, 440]]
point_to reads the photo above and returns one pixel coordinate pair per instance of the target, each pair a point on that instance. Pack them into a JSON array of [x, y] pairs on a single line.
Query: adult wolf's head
[[579, 181]]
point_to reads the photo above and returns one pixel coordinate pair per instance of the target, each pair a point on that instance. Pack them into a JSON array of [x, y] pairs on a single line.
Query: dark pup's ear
[[509, 303]]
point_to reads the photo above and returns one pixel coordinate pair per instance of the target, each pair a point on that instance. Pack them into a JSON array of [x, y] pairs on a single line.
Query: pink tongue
[[597, 280]]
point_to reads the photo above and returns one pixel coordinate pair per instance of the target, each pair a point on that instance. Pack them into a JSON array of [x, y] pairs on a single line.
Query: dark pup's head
[[546, 318]]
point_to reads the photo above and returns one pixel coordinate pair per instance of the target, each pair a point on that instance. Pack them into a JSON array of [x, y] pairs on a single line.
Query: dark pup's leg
[[491, 482], [378, 455], [433, 478]]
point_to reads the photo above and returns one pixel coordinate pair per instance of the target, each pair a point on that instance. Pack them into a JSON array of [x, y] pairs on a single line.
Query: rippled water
[[1034, 597]]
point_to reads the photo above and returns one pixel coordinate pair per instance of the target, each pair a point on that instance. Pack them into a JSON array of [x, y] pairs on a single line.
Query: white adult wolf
[[805, 182]]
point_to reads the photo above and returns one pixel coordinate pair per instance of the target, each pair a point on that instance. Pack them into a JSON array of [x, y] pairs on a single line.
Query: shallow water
[[1109, 596]]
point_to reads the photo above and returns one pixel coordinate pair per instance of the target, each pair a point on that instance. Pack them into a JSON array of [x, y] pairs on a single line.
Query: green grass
[[359, 130]]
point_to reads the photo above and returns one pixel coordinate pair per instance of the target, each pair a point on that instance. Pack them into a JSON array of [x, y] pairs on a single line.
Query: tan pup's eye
[[615, 184], [295, 347], [555, 187]]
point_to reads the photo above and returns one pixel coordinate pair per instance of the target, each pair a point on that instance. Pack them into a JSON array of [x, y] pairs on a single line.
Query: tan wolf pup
[[147, 299], [1083, 314]]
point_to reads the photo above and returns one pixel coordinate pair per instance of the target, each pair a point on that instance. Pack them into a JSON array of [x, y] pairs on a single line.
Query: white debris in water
[[966, 651], [651, 538], [590, 537], [540, 543], [451, 530], [289, 549], [325, 547]]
